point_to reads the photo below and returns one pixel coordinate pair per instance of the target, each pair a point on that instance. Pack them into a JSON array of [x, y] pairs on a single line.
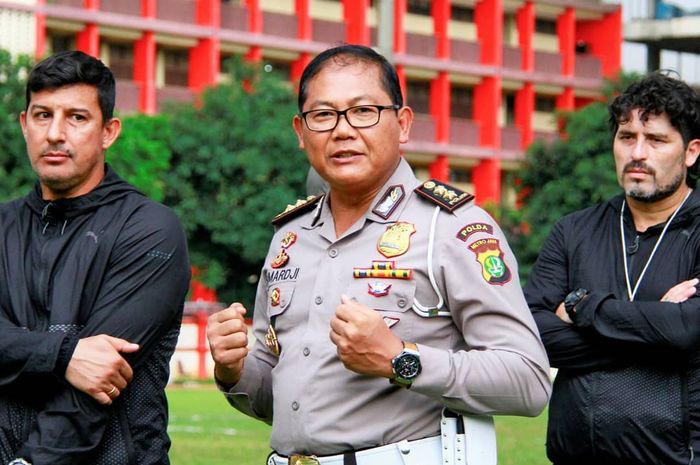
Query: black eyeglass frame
[[339, 113]]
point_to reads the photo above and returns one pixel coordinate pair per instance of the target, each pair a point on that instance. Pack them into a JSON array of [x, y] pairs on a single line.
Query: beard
[[659, 193]]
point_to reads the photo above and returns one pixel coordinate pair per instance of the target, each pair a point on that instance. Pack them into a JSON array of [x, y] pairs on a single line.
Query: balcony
[[464, 132], [279, 25], [547, 62], [73, 3], [421, 45], [512, 57], [330, 32], [423, 128], [548, 137], [168, 94], [510, 138], [234, 17], [127, 96], [588, 66], [181, 11], [124, 7], [464, 51]]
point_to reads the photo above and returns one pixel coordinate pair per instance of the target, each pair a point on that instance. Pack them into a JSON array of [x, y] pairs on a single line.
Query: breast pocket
[[392, 298], [279, 298]]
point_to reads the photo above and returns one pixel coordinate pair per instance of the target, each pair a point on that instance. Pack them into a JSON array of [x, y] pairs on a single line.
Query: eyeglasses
[[360, 116]]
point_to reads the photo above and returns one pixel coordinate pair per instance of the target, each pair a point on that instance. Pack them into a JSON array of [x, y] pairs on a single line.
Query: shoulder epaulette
[[292, 211], [448, 197]]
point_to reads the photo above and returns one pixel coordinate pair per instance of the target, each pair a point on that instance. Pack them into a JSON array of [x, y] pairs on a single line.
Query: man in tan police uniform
[[380, 303]]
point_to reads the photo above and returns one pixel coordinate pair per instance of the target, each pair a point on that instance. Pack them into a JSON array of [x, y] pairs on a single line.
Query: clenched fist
[[228, 342], [365, 343]]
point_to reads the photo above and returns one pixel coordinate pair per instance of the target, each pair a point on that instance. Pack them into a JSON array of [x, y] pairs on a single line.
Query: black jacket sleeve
[[656, 324], [141, 297], [567, 346]]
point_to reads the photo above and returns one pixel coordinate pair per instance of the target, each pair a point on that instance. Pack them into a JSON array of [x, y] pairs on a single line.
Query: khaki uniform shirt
[[480, 353]]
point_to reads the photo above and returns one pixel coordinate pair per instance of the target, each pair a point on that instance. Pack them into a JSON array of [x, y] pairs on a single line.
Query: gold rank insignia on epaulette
[[298, 208], [446, 196]]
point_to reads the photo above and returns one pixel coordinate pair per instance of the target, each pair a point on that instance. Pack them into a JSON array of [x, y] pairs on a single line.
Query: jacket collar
[[111, 188]]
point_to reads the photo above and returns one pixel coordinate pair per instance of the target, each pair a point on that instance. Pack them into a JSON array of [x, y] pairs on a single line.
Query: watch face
[[407, 366]]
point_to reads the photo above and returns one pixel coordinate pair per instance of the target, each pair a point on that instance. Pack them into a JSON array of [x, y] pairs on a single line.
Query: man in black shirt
[[93, 276], [614, 294]]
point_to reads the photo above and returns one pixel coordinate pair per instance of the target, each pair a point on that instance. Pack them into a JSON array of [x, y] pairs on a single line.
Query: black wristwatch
[[573, 299], [406, 365]]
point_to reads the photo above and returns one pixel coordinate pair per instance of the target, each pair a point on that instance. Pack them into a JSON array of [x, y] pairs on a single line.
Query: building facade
[[484, 77]]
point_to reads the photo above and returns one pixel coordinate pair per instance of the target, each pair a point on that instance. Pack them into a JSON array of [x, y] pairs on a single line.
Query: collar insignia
[[444, 195], [490, 256], [396, 239], [391, 199]]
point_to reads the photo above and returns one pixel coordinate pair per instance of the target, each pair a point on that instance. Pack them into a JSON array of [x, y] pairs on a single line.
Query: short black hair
[[73, 67], [657, 94], [348, 54]]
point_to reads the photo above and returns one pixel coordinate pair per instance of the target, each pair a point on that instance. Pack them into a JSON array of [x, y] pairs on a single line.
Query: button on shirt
[[483, 355]]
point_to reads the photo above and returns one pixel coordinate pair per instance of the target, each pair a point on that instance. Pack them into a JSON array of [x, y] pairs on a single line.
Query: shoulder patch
[[292, 211], [448, 197]]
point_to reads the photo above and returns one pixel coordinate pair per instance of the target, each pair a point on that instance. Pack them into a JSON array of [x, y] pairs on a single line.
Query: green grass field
[[205, 430]]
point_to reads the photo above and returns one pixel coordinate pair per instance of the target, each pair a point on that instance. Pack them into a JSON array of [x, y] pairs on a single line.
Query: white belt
[[419, 452]]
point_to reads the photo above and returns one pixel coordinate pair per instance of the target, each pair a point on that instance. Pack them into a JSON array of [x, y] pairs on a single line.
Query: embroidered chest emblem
[[396, 239]]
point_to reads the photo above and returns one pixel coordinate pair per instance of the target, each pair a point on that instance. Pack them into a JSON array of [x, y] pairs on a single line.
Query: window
[[545, 26], [460, 175], [461, 102], [418, 96], [176, 67], [62, 43], [281, 68], [462, 13], [510, 109], [418, 7], [545, 104], [121, 60]]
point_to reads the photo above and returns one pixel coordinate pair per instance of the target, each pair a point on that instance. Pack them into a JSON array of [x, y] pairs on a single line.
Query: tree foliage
[[16, 176], [561, 177], [141, 154], [236, 163]]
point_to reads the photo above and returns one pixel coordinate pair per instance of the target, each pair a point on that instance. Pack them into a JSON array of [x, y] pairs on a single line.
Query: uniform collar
[[386, 207]]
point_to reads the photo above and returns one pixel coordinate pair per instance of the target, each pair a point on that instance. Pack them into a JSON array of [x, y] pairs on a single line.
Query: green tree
[[16, 176], [141, 155], [561, 177], [236, 163]]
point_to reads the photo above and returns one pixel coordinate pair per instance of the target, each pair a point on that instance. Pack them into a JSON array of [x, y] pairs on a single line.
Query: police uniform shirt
[[480, 351]]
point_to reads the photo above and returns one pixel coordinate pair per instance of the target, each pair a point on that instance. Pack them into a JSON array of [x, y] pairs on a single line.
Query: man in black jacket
[[93, 279], [614, 294]]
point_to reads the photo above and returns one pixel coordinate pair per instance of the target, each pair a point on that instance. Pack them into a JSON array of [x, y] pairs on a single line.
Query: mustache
[[639, 165], [57, 148]]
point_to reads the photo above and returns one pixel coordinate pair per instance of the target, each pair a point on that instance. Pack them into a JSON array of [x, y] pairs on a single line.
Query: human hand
[[97, 368], [228, 342], [562, 314], [681, 291], [365, 343]]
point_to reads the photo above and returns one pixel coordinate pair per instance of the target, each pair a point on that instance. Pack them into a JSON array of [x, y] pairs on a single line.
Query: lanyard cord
[[631, 293]]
